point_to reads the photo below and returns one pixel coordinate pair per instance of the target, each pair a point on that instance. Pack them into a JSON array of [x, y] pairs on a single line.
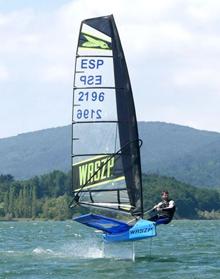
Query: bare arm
[[157, 205]]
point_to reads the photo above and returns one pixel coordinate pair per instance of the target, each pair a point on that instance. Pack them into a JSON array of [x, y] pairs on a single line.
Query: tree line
[[48, 197]]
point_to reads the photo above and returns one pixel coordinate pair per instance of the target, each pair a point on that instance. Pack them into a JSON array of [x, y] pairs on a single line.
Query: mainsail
[[106, 167]]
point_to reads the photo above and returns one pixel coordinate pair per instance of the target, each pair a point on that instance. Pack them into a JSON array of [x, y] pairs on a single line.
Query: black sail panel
[[105, 147], [127, 126]]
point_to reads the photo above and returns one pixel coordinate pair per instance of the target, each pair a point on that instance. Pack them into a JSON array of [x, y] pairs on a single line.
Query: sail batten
[[106, 167]]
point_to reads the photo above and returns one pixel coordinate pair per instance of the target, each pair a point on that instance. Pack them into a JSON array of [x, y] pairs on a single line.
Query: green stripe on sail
[[89, 160], [100, 183]]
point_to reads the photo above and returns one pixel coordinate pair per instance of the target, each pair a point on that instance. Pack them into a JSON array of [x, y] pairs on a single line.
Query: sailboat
[[106, 165]]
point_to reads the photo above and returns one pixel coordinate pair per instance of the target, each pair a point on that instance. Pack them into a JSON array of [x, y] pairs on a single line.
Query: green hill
[[190, 155], [30, 154], [48, 196]]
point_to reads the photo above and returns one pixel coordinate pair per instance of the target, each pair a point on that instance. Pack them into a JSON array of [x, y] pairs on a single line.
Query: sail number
[[93, 96], [89, 113]]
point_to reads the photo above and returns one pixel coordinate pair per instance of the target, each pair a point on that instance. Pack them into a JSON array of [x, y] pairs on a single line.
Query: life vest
[[169, 212]]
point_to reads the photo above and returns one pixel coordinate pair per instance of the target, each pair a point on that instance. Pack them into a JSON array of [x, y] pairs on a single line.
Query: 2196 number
[[91, 96], [89, 114]]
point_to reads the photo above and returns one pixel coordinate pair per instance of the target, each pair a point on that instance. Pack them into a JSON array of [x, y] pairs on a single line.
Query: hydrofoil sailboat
[[106, 165]]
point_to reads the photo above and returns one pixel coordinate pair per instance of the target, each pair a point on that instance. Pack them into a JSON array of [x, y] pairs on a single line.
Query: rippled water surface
[[183, 249]]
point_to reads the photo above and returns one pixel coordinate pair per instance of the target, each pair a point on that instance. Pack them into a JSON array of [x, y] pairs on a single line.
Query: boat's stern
[[142, 229]]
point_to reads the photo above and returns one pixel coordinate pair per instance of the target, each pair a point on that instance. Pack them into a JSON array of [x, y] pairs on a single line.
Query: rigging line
[[76, 197]]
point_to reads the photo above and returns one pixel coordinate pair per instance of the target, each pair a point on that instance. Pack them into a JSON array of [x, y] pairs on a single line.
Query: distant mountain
[[30, 154], [190, 155]]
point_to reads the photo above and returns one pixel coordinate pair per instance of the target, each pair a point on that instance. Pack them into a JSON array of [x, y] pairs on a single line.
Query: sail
[[106, 169]]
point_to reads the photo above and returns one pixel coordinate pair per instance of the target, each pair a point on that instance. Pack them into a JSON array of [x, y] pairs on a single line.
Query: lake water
[[183, 249]]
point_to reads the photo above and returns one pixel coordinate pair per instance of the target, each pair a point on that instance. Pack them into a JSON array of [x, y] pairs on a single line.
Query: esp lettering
[[91, 63], [91, 80]]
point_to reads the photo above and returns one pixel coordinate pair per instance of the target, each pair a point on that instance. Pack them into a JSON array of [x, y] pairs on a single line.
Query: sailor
[[164, 210]]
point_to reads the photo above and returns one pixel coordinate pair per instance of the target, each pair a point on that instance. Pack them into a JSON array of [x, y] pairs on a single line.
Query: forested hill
[[190, 155], [35, 153], [49, 196]]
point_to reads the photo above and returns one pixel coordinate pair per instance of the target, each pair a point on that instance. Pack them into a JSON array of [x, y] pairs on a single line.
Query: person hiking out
[[164, 210]]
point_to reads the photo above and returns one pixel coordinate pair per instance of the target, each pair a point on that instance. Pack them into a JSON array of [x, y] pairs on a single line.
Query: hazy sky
[[172, 50]]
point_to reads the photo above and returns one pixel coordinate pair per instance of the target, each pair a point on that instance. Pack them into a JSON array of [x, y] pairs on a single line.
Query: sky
[[172, 50]]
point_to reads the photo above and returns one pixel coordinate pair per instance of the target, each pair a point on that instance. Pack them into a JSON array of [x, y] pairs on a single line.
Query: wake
[[91, 248]]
